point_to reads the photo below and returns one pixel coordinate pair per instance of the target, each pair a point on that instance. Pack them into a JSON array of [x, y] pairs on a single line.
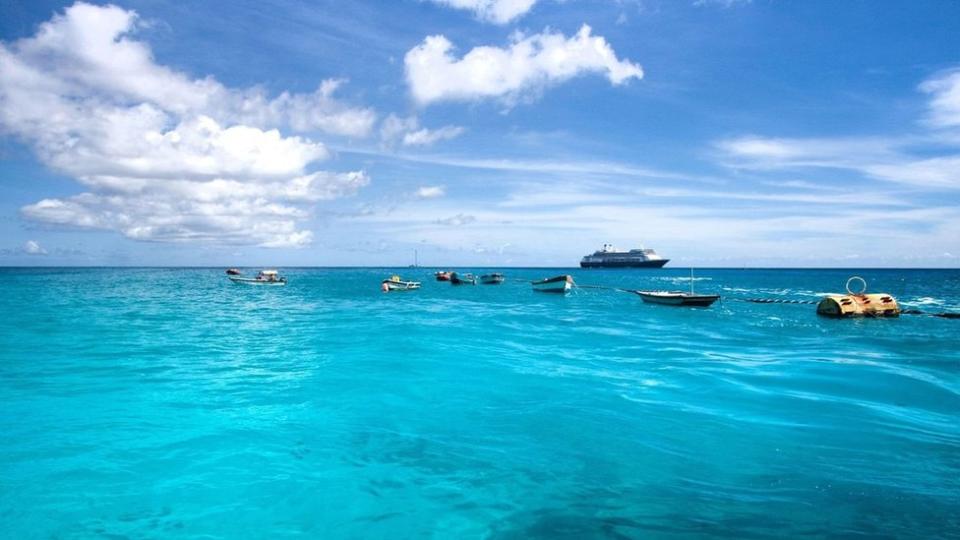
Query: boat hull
[[557, 285], [678, 299], [393, 286], [464, 279], [494, 279], [625, 264]]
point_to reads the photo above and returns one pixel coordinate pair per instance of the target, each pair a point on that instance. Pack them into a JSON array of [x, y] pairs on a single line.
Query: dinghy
[[495, 278], [559, 284], [394, 283], [462, 279], [264, 277]]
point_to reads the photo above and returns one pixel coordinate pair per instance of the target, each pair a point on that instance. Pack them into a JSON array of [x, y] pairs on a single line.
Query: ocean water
[[171, 403]]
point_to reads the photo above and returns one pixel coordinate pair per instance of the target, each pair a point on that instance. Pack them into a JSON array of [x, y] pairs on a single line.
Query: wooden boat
[[462, 279], [559, 284], [495, 278], [264, 277], [233, 272], [677, 298], [394, 283], [442, 275]]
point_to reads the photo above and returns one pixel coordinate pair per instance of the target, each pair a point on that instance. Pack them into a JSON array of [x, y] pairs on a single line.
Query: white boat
[[264, 277], [394, 283], [677, 298], [559, 284]]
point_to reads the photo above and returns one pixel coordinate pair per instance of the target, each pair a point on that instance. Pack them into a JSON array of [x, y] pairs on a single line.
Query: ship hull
[[625, 264]]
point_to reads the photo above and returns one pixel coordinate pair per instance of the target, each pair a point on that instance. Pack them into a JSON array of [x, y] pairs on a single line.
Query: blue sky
[[479, 132]]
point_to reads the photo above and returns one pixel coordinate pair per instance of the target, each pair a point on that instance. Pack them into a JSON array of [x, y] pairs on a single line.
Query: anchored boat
[[559, 284], [264, 277], [442, 275], [495, 278], [679, 298], [462, 279], [676, 298], [395, 283]]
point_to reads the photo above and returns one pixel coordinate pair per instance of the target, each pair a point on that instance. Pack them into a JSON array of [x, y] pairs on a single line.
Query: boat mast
[[416, 260]]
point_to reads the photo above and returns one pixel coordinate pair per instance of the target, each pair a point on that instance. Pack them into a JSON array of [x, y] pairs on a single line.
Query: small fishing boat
[[395, 283], [495, 278], [559, 284], [679, 298], [233, 272], [264, 277], [462, 279], [442, 275]]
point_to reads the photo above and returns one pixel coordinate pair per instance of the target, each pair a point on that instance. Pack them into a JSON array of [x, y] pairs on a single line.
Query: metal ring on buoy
[[862, 290]]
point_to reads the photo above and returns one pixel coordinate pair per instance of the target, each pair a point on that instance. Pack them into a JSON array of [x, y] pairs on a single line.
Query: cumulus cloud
[[166, 157], [32, 247], [495, 11], [522, 69], [407, 131], [431, 192], [944, 90]]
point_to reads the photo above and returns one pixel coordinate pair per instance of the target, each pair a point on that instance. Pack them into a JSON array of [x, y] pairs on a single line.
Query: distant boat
[[559, 284], [442, 276], [233, 272], [495, 278], [611, 257], [395, 283], [264, 277], [679, 298], [462, 279], [416, 260]]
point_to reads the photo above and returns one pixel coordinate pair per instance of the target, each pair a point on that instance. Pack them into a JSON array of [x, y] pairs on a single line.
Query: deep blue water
[[171, 403]]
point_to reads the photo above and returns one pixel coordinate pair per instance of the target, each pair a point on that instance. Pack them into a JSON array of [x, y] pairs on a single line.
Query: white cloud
[[457, 220], [524, 68], [884, 159], [495, 11], [31, 247], [431, 192], [945, 98], [407, 131], [166, 157]]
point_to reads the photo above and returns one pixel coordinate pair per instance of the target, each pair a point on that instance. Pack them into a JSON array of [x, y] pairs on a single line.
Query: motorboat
[[395, 283], [462, 279], [495, 278], [264, 277], [677, 298], [233, 272], [442, 275], [558, 284]]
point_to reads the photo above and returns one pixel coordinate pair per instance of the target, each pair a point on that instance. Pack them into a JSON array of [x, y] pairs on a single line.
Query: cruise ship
[[610, 257]]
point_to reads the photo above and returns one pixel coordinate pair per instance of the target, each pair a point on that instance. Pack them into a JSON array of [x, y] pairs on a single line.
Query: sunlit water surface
[[171, 403]]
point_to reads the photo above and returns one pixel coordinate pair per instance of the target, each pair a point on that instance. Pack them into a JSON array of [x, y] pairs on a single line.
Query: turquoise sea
[[171, 403]]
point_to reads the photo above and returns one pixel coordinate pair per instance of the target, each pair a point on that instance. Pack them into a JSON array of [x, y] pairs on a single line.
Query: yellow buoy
[[858, 304]]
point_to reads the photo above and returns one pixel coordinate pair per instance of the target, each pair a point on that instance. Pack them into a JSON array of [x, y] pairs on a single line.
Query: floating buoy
[[858, 303]]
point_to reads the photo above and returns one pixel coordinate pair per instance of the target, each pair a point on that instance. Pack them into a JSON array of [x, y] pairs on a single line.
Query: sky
[[722, 133]]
